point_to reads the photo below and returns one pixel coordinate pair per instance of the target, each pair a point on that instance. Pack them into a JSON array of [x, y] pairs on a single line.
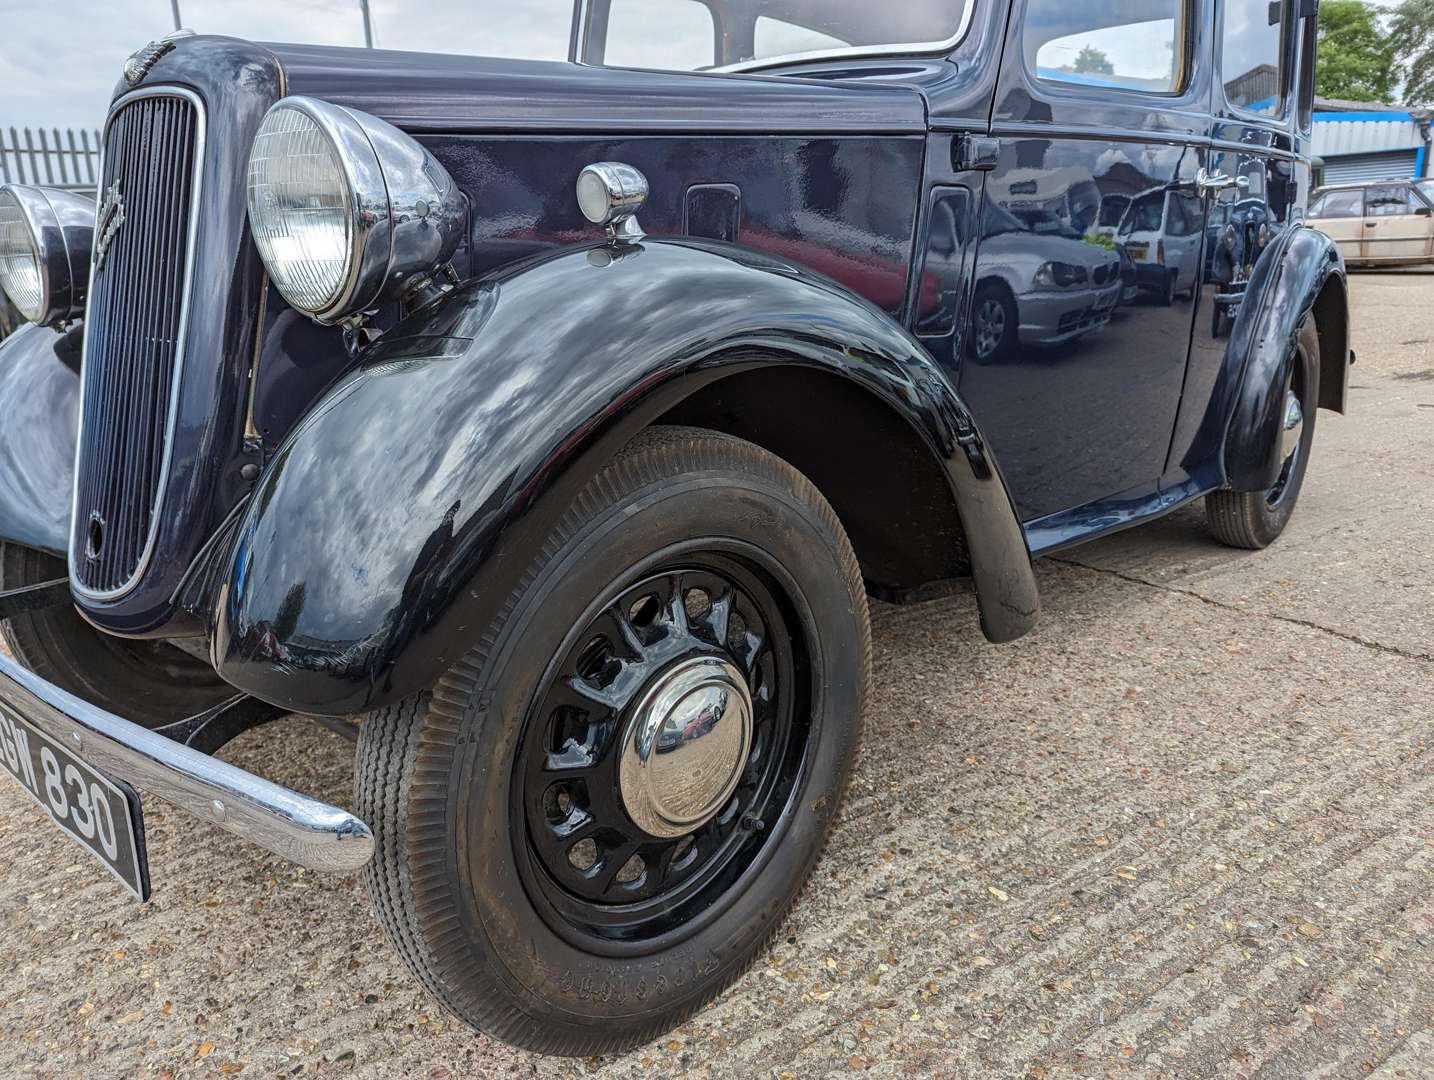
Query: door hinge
[[974, 152]]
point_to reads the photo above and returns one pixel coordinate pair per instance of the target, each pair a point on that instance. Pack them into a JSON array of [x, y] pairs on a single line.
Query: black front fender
[[1288, 280], [39, 401], [395, 520]]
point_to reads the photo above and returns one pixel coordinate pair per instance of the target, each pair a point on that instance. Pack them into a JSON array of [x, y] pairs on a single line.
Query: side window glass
[[1175, 218], [1316, 208], [1343, 204], [1138, 45], [1189, 221], [773, 37], [1251, 67], [677, 36], [939, 293], [1386, 200]]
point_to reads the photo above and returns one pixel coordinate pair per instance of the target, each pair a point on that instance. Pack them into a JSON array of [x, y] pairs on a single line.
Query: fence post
[[34, 165]]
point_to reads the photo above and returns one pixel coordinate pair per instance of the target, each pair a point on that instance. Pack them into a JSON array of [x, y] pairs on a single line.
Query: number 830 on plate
[[102, 814]]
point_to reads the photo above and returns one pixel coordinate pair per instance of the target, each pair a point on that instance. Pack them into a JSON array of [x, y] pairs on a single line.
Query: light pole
[[367, 25], [174, 7]]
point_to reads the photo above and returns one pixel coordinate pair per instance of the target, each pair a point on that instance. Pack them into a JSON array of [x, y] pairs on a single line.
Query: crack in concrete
[[1377, 646]]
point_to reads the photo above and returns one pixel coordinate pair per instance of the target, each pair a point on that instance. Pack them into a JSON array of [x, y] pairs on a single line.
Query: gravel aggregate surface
[[1186, 828]]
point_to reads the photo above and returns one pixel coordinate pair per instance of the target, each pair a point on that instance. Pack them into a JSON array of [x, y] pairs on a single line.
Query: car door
[[1255, 173], [1339, 214], [1396, 224], [1079, 404]]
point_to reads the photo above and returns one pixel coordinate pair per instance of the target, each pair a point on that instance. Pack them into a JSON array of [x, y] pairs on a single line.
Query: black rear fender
[[1299, 277]]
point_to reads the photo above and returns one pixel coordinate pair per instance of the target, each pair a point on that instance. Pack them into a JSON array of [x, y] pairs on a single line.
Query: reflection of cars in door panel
[[1389, 222], [1161, 232], [1050, 283]]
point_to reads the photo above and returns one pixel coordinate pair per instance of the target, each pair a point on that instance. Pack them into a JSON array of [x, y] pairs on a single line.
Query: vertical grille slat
[[132, 340]]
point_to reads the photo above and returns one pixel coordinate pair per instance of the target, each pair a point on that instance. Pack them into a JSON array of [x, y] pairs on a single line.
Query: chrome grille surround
[[123, 292]]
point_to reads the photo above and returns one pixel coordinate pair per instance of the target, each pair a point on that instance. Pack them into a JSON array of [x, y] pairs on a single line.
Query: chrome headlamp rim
[[405, 213], [363, 187], [61, 226]]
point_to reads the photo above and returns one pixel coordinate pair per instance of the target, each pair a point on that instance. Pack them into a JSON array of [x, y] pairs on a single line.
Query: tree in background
[[1356, 58], [1412, 33], [1091, 61]]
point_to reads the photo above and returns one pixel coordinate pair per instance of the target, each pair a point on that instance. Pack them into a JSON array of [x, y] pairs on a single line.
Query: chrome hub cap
[[685, 746], [1293, 426]]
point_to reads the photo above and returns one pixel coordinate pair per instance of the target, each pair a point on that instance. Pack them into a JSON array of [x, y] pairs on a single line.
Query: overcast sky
[[59, 60]]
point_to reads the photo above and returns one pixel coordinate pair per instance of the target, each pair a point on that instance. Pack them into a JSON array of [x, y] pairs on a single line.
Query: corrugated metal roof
[[1336, 137]]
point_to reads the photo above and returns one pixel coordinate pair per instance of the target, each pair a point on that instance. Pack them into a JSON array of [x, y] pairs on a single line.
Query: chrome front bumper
[[304, 830]]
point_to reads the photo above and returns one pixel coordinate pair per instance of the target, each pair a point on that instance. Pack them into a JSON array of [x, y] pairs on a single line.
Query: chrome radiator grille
[[134, 335]]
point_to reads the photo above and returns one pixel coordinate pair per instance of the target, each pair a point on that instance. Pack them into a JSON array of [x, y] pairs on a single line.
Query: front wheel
[[600, 816], [993, 323], [1253, 519]]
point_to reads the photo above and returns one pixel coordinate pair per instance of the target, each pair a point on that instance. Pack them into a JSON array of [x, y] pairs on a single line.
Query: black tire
[[1253, 519], [993, 326], [457, 881], [149, 682], [1167, 294]]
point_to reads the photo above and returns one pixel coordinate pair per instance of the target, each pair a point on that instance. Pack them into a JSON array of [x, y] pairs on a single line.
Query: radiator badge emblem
[[107, 223], [139, 63]]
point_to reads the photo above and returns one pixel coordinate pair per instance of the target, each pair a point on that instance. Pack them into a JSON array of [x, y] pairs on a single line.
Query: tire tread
[[402, 777]]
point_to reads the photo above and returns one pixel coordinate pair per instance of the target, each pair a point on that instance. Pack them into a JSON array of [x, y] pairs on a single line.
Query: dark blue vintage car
[[556, 420]]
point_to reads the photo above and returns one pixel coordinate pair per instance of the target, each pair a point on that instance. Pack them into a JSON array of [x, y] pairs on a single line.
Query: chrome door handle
[[1206, 182]]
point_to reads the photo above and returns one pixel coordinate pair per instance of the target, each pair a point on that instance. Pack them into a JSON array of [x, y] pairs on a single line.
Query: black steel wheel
[[597, 871], [598, 818]]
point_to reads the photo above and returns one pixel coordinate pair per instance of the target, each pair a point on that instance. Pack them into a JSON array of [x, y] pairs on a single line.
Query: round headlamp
[[347, 210], [45, 240]]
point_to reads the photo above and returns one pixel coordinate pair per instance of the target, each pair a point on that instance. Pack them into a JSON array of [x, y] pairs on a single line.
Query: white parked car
[[1161, 231], [1386, 222]]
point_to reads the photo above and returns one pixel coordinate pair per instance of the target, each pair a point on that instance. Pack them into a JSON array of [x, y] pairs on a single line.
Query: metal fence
[[57, 158]]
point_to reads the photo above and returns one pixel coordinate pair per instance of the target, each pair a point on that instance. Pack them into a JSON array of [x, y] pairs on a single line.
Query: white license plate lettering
[[97, 812]]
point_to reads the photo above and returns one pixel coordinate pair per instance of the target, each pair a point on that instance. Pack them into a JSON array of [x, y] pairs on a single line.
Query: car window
[[1426, 188], [688, 35], [1184, 215], [676, 34], [1316, 206], [1342, 204], [1251, 66], [1385, 200], [1145, 214], [1139, 45], [1112, 209], [777, 37]]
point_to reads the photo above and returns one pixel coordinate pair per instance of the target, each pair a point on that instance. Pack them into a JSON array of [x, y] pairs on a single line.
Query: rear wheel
[[149, 682], [599, 817], [1253, 519]]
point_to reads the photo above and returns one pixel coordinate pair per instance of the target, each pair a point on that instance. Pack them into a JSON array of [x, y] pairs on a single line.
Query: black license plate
[[100, 813]]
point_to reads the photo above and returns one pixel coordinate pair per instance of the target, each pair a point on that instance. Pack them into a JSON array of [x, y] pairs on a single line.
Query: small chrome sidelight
[[45, 240], [610, 193]]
